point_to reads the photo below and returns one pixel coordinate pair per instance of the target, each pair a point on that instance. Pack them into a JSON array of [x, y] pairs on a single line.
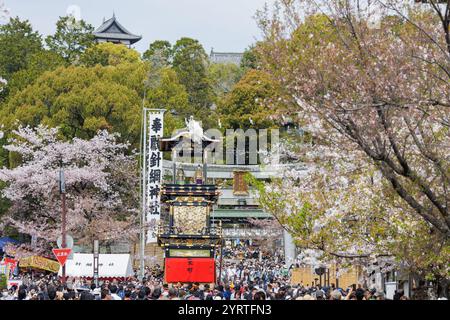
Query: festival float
[[186, 234]]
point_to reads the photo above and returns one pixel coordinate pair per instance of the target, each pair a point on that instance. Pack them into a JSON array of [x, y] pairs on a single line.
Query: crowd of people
[[48, 288], [245, 264], [251, 274], [246, 273]]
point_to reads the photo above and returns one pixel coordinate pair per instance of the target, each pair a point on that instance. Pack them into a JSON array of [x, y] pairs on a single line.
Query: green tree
[[71, 38], [224, 77], [109, 54], [249, 59], [166, 92], [190, 62], [81, 101], [169, 94], [244, 107], [159, 52], [38, 63], [18, 42]]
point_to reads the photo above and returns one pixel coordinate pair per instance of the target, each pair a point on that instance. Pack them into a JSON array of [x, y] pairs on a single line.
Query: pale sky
[[226, 25]]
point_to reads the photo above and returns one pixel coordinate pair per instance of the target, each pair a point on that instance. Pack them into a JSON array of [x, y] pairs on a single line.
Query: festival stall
[[39, 263], [110, 266]]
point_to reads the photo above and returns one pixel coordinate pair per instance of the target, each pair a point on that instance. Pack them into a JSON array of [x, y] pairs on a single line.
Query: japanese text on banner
[[154, 172]]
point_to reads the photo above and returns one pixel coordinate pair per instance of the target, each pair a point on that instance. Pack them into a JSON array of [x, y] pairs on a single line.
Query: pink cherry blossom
[[101, 182]]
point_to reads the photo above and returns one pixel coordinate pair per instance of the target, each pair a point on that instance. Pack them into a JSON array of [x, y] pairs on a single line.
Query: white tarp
[[390, 289], [110, 266]]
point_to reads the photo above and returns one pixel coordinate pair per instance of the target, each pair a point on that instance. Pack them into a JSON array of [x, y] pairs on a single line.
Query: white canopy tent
[[110, 266]]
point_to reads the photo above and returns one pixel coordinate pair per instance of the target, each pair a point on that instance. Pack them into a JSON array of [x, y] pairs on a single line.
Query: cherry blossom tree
[[101, 185], [369, 81], [270, 231]]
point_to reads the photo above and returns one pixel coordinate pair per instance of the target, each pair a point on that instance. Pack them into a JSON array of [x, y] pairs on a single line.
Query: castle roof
[[112, 30]]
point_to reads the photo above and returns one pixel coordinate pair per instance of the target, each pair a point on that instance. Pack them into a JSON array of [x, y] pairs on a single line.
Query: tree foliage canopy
[[109, 54], [38, 63], [18, 42], [160, 52], [190, 62], [224, 77], [375, 99], [244, 107], [71, 39], [81, 101]]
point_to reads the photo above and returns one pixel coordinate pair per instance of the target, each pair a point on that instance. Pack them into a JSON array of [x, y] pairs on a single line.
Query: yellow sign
[[41, 263], [189, 253], [307, 276]]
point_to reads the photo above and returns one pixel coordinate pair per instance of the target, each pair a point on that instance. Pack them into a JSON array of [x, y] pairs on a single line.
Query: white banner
[[153, 171]]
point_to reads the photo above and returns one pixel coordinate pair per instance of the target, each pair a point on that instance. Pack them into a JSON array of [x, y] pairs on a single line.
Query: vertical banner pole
[[144, 197], [154, 173], [63, 218], [96, 260]]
